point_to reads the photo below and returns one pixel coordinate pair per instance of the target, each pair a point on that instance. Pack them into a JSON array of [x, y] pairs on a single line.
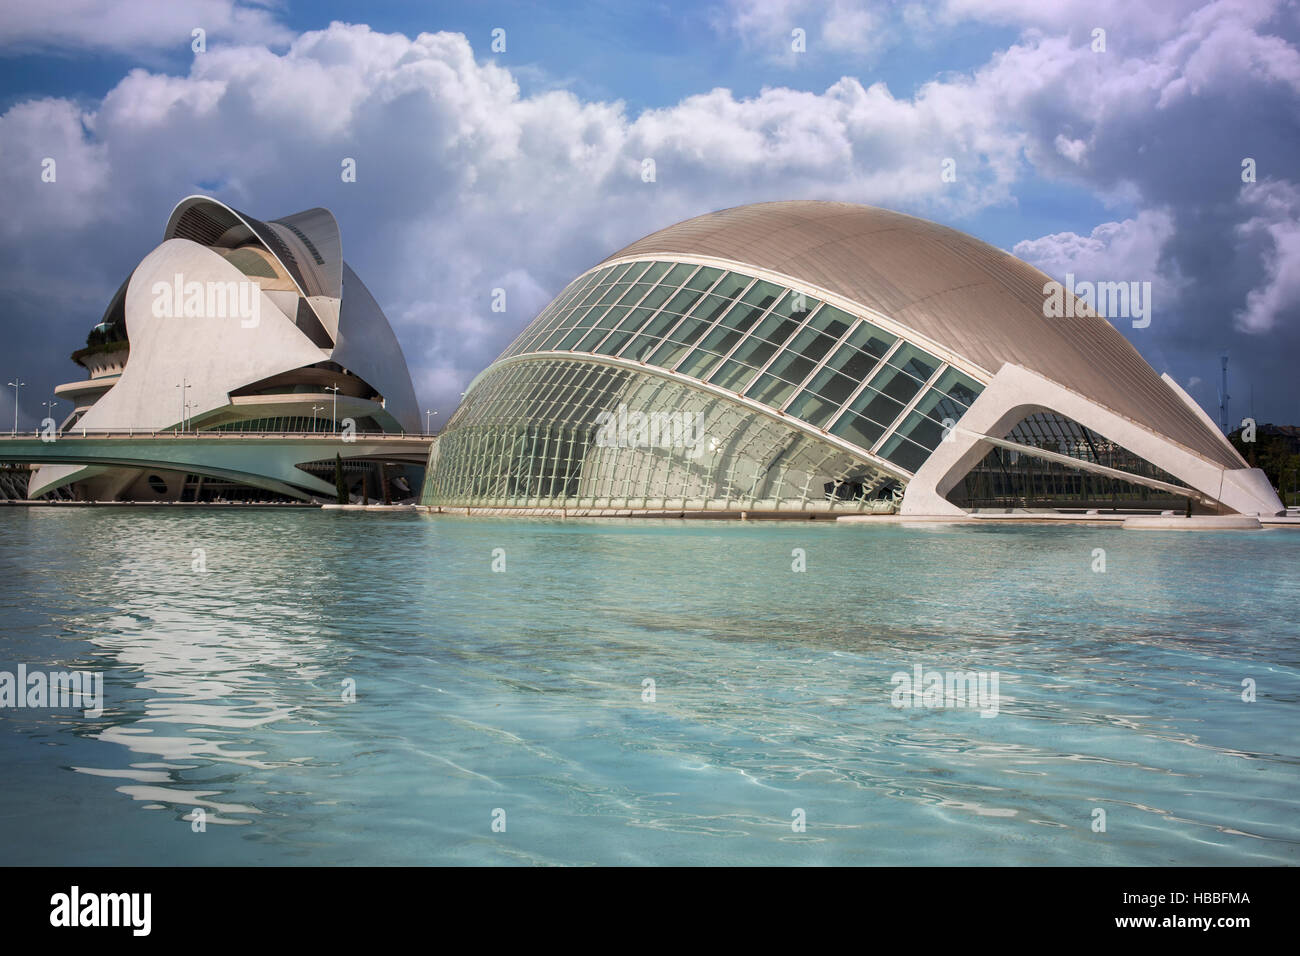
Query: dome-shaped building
[[807, 357]]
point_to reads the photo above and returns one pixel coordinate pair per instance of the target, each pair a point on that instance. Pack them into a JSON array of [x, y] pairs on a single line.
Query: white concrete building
[[233, 325], [827, 357]]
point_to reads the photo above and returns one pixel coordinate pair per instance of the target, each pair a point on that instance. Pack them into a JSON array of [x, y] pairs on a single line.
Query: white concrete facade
[[232, 320], [1016, 392]]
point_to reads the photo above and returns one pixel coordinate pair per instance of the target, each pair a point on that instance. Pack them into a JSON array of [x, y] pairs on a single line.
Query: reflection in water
[[524, 690]]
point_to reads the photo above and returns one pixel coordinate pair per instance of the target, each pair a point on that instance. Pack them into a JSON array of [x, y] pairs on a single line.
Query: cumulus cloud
[[766, 27], [123, 27], [1276, 221], [464, 184], [1127, 251]]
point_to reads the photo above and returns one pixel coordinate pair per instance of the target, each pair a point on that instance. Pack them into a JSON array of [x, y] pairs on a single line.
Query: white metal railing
[[174, 433]]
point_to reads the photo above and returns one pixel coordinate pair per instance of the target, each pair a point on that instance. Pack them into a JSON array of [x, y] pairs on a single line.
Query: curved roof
[[977, 300], [305, 250]]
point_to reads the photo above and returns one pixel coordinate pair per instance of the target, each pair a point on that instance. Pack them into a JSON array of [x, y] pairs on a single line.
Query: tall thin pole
[[183, 386], [1223, 397], [16, 385], [334, 413]]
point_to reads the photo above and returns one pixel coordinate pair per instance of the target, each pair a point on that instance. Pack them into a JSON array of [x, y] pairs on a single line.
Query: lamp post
[[16, 385], [334, 414], [183, 385], [49, 406], [314, 410], [428, 413]]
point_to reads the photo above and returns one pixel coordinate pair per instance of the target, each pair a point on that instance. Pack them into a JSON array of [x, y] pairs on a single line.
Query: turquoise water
[[522, 691]]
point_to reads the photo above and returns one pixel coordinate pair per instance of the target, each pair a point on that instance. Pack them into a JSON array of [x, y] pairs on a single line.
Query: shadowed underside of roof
[[977, 300]]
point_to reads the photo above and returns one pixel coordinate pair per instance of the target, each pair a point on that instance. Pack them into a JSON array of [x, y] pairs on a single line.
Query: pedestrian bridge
[[262, 459]]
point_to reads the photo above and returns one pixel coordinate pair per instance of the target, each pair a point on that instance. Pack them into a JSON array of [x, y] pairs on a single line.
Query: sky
[[1164, 149]]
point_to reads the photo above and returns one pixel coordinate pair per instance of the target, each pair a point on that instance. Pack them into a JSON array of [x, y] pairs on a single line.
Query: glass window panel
[[792, 366], [795, 305], [871, 340], [832, 386], [634, 272], [568, 340], [667, 354], [699, 362], [650, 336], [657, 296], [831, 320], [915, 362], [614, 293], [754, 352], [733, 375], [616, 341], [812, 408], [593, 294], [904, 453], [681, 303], [632, 294], [679, 274], [812, 345], [958, 386], [712, 306], [720, 340], [731, 285], [636, 318], [762, 294], [776, 328], [606, 320], [660, 324], [681, 339], [704, 278], [877, 406], [861, 431], [740, 317], [895, 384], [921, 429], [770, 390], [589, 338], [656, 272], [854, 363]]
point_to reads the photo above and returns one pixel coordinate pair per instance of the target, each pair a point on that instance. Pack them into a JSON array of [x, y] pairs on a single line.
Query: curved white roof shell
[[912, 347]]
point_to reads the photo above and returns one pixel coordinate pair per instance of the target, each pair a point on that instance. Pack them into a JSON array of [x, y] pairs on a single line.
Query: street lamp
[[428, 413], [183, 385], [314, 410], [16, 386], [334, 414], [49, 406]]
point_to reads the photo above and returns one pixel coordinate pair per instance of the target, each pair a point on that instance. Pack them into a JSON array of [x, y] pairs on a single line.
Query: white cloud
[[464, 184], [842, 26], [1127, 251], [129, 27], [1276, 219]]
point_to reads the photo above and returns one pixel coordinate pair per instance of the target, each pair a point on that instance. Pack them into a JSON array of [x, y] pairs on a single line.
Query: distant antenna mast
[[1223, 398]]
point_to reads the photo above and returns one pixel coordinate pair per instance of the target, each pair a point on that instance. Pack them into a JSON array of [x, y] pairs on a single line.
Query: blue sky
[[519, 169]]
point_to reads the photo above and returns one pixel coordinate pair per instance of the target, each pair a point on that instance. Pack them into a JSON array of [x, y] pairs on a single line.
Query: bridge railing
[[174, 433]]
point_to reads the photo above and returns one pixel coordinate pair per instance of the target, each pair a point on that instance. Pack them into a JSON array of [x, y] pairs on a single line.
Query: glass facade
[[563, 433], [294, 424], [1007, 478], [755, 339]]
